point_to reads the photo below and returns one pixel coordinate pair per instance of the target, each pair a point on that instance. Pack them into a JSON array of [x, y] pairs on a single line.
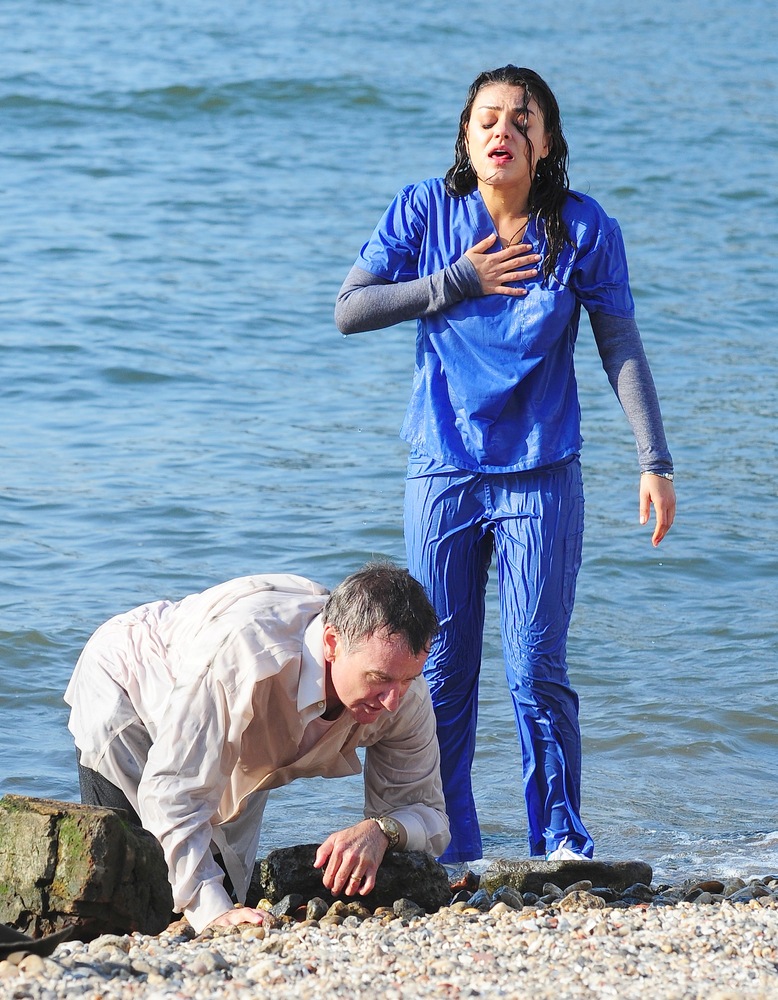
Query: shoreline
[[574, 946]]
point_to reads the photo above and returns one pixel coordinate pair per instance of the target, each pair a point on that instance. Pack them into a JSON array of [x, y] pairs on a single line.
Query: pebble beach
[[693, 940]]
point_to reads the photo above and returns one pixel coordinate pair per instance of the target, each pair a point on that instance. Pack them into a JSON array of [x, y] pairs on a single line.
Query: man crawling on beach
[[187, 713]]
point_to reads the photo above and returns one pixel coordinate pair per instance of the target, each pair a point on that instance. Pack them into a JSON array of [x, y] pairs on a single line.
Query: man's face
[[371, 677]]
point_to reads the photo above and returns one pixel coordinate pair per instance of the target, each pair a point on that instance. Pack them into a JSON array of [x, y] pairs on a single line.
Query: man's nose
[[391, 699]]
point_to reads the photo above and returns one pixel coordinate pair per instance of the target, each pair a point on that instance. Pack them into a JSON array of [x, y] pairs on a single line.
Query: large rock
[[63, 864], [403, 874], [532, 875]]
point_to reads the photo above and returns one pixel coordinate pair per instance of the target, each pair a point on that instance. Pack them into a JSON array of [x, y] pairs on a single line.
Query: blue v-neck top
[[494, 387]]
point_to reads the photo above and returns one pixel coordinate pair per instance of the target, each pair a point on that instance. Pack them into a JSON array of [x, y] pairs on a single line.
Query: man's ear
[[330, 639]]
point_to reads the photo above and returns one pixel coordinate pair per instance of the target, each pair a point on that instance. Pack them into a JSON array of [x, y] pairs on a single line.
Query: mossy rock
[[64, 864]]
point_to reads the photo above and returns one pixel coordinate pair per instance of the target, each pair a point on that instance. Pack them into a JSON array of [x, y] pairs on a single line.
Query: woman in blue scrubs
[[495, 261]]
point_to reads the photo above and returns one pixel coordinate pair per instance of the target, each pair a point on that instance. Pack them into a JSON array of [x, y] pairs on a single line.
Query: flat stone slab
[[402, 875], [532, 875], [12, 941], [63, 864]]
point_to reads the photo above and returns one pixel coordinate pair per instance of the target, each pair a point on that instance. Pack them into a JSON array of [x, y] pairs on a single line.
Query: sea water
[[184, 187]]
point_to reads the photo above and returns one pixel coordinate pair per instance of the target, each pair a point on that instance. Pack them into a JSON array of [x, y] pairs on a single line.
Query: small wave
[[180, 101], [130, 376]]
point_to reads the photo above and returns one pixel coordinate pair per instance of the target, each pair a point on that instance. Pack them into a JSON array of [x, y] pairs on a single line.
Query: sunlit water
[[184, 187]]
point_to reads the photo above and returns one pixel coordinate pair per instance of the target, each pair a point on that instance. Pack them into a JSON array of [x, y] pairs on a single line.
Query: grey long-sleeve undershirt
[[367, 302]]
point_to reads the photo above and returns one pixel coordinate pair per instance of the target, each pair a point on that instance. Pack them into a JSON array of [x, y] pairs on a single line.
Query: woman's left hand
[[660, 492]]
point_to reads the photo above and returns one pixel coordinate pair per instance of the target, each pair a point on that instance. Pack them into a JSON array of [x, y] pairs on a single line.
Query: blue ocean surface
[[184, 188]]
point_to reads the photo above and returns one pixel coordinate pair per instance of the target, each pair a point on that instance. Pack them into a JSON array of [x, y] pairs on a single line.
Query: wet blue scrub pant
[[533, 524]]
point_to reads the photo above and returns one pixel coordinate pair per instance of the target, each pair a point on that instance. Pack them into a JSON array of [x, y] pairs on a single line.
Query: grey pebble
[[406, 909], [480, 900], [508, 896], [316, 908], [207, 961], [640, 892]]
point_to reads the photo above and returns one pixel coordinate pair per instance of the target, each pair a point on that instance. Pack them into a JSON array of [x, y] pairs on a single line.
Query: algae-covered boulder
[[403, 874], [63, 864]]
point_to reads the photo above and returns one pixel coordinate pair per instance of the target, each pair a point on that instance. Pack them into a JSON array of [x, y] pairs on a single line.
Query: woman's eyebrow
[[517, 110]]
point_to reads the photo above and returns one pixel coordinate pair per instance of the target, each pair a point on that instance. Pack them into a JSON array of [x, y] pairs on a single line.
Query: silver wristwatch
[[662, 475], [390, 828]]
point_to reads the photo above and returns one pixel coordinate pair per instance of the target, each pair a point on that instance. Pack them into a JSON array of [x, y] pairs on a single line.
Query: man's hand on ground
[[352, 857]]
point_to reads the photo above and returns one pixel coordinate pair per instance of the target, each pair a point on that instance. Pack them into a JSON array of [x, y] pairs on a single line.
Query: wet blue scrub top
[[494, 387]]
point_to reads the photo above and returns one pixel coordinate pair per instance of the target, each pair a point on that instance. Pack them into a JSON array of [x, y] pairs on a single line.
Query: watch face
[[391, 829]]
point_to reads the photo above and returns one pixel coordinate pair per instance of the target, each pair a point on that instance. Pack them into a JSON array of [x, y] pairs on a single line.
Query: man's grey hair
[[382, 598]]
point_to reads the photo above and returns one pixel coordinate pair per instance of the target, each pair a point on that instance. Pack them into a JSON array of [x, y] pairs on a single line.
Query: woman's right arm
[[369, 302]]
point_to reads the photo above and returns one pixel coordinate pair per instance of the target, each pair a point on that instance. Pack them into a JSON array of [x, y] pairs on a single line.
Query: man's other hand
[[239, 915]]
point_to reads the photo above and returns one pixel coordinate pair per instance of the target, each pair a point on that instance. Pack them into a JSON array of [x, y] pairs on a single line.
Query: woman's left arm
[[625, 363]]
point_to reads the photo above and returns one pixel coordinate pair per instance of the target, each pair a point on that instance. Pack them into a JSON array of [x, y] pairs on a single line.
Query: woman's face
[[500, 152]]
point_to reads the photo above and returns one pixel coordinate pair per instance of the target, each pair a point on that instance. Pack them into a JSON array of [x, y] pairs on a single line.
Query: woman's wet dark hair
[[550, 185]]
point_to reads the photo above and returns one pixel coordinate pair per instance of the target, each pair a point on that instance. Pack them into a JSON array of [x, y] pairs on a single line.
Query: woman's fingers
[[498, 269], [484, 245]]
